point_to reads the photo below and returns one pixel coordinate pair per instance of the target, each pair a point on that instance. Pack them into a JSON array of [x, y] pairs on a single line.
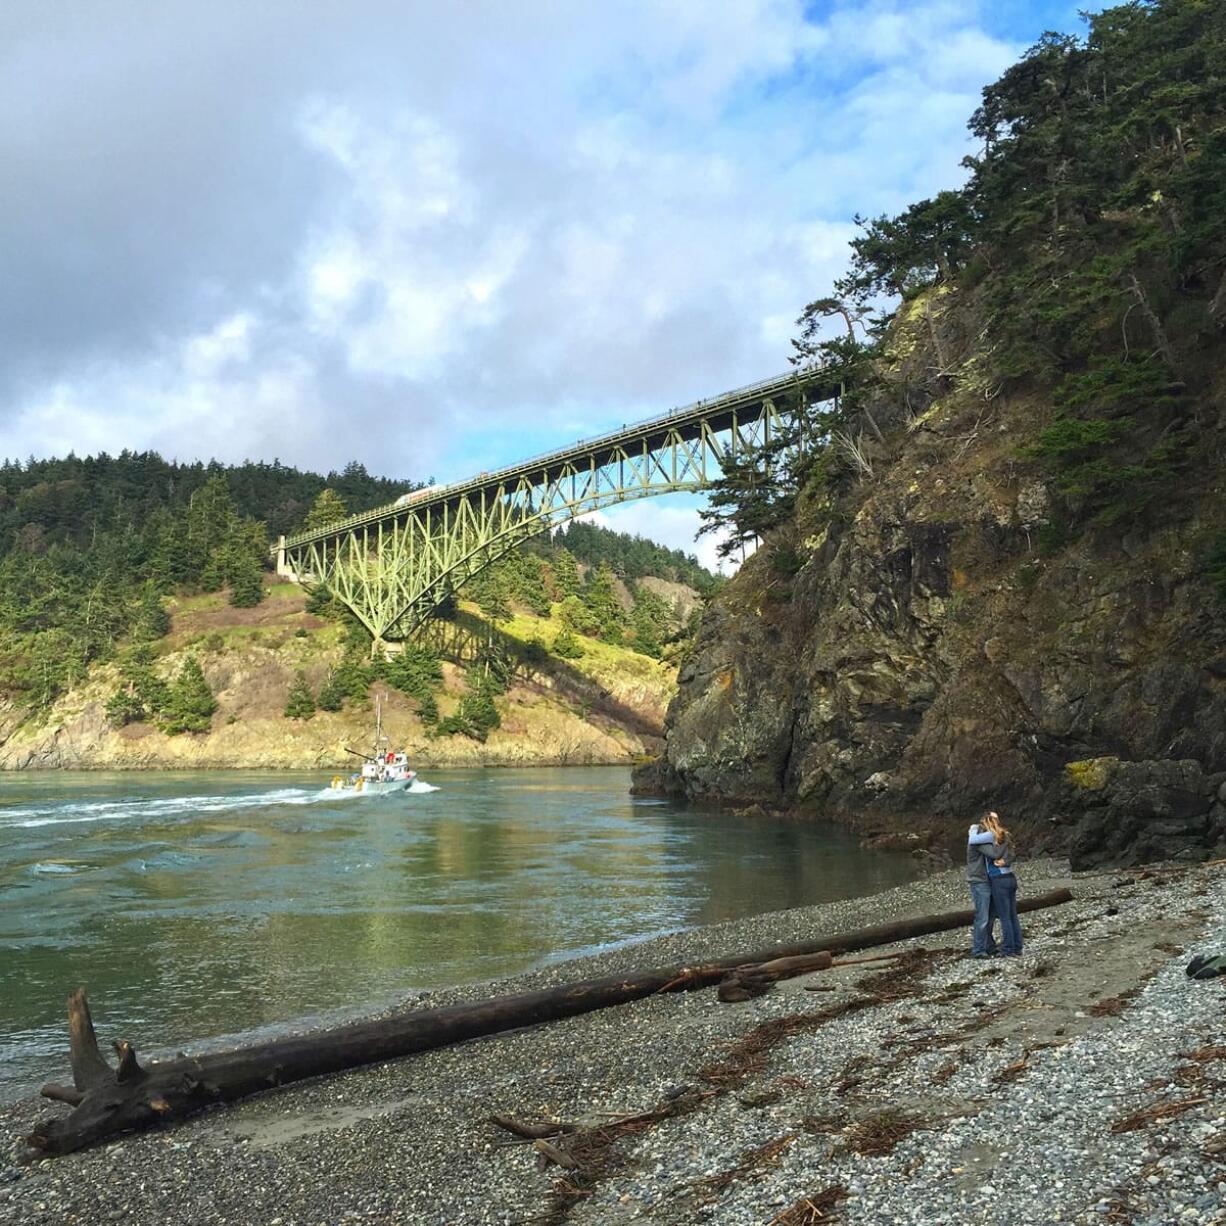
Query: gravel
[[1099, 1015]]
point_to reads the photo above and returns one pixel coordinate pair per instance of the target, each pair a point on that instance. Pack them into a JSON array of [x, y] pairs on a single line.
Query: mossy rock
[[1090, 774]]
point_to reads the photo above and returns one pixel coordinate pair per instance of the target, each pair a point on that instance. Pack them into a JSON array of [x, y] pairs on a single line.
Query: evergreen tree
[[331, 693], [648, 620], [211, 519], [416, 671], [152, 620], [566, 646], [491, 592], [327, 509], [533, 586], [601, 600], [300, 703], [124, 707], [191, 704], [565, 573], [575, 615], [246, 581], [319, 601]]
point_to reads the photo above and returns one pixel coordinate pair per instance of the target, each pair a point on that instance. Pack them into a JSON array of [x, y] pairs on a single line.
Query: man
[[979, 840]]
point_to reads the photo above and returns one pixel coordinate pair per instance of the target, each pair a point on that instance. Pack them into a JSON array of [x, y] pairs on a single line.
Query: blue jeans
[[1004, 898], [982, 941]]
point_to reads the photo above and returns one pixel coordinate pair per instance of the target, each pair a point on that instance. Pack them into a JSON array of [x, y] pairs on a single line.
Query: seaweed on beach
[[752, 1162], [905, 978], [592, 1152], [1113, 1006], [817, 1209], [881, 1131], [1144, 1116], [747, 1056]]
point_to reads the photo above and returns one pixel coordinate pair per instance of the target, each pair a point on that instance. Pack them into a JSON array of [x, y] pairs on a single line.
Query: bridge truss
[[392, 566]]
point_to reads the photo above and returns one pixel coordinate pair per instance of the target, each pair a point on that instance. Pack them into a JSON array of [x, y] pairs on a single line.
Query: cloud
[[437, 239]]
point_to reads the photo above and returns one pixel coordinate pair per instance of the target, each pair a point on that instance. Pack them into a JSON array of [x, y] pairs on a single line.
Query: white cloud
[[433, 239]]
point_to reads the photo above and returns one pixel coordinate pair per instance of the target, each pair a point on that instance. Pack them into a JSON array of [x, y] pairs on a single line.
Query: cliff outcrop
[[994, 572], [914, 648]]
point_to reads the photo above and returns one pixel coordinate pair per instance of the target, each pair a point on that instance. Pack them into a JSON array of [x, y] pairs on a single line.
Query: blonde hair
[[993, 823]]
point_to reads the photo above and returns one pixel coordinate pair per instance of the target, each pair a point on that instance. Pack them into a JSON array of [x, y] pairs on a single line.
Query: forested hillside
[[994, 570], [91, 548]]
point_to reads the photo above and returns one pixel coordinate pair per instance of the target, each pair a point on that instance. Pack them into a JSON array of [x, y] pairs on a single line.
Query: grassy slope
[[607, 706]]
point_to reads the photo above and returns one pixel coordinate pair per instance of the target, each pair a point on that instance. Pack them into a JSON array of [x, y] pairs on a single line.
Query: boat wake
[[60, 812], [417, 788]]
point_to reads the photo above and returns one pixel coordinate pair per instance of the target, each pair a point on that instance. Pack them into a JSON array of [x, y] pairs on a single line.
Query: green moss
[[1090, 774]]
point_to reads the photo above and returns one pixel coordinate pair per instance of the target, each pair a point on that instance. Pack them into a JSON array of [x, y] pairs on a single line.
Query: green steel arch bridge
[[393, 565]]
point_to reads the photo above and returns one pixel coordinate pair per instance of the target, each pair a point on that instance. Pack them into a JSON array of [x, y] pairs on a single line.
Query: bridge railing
[[546, 458]]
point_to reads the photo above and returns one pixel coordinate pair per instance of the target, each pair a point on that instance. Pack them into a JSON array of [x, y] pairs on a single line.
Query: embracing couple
[[989, 868]]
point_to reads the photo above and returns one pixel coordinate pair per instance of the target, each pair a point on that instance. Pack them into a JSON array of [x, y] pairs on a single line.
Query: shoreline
[[997, 1074], [108, 768]]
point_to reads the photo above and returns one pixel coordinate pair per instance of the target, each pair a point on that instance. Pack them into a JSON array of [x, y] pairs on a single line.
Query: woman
[[1002, 881], [979, 839]]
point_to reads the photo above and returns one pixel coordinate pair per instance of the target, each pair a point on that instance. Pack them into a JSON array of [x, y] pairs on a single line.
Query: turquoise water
[[203, 904]]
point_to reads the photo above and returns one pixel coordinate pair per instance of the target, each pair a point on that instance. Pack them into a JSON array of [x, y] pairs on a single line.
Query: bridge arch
[[392, 566]]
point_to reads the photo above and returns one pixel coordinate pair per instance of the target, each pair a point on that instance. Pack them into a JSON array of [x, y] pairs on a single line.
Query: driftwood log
[[107, 1101], [746, 982]]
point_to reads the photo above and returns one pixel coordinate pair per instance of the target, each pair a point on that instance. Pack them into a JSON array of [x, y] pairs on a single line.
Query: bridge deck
[[717, 413]]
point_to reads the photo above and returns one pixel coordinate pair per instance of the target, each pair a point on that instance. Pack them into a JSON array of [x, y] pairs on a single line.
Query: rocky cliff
[[906, 652]]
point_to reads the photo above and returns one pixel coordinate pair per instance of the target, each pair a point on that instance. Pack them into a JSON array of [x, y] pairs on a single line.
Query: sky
[[440, 237]]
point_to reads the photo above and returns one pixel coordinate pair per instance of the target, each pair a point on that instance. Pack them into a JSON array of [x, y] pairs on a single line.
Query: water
[[203, 904]]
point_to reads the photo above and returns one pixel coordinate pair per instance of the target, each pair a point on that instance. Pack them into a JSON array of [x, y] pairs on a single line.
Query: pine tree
[[566, 646], [331, 693], [600, 598], [648, 620], [565, 573], [191, 704], [327, 509], [152, 620], [300, 704], [491, 591], [124, 707], [319, 601], [246, 581], [533, 584], [575, 615]]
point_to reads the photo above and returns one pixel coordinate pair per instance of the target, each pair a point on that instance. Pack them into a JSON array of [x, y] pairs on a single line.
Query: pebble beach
[[1079, 1083]]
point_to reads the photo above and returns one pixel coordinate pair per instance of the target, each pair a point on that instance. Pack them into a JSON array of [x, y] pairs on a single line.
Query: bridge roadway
[[392, 565], [714, 415]]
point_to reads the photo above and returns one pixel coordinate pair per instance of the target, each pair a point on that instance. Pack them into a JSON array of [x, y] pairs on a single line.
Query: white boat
[[383, 771]]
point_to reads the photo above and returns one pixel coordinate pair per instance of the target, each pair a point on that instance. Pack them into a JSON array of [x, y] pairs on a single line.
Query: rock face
[[927, 661], [1136, 811]]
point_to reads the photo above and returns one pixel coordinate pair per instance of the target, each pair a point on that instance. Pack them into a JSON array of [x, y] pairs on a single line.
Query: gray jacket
[[979, 851]]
